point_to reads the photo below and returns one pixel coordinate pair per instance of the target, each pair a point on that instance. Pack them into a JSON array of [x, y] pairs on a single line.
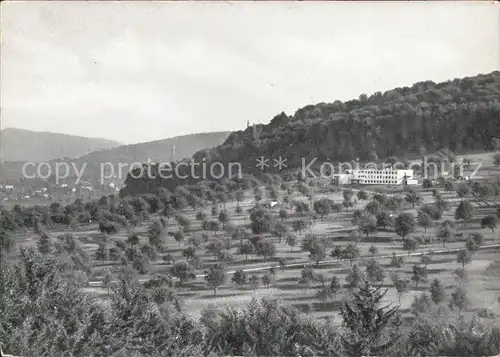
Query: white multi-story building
[[382, 177]]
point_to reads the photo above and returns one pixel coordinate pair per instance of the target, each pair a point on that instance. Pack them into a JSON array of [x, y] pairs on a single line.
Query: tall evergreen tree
[[369, 329]]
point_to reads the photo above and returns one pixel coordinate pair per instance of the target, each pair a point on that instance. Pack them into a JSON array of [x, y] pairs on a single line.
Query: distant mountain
[[175, 148], [27, 145], [164, 150]]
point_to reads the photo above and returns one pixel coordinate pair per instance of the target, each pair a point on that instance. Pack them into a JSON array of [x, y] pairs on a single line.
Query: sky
[[140, 71]]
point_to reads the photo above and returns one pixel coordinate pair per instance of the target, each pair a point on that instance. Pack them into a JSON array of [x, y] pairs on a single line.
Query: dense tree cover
[[461, 114], [113, 213], [267, 328], [45, 312], [110, 212]]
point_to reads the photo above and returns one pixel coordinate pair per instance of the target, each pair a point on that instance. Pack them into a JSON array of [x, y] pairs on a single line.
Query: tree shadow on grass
[[210, 296], [329, 265], [378, 239], [173, 250], [435, 271], [327, 306], [254, 260], [442, 261], [315, 306], [342, 230], [292, 286], [187, 294], [196, 287], [343, 271], [420, 288]]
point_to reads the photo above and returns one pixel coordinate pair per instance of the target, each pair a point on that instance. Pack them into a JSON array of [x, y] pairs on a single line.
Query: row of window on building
[[371, 172], [379, 176], [388, 182]]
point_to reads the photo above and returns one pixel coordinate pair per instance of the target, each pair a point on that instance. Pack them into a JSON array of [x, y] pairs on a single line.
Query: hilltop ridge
[[460, 114]]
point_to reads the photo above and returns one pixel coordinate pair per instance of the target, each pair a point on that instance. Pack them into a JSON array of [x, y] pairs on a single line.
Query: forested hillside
[[462, 115]]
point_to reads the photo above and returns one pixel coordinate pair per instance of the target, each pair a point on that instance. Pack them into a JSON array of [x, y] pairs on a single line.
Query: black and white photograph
[[249, 178]]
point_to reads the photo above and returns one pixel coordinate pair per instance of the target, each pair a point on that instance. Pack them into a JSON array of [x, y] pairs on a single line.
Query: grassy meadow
[[483, 272]]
